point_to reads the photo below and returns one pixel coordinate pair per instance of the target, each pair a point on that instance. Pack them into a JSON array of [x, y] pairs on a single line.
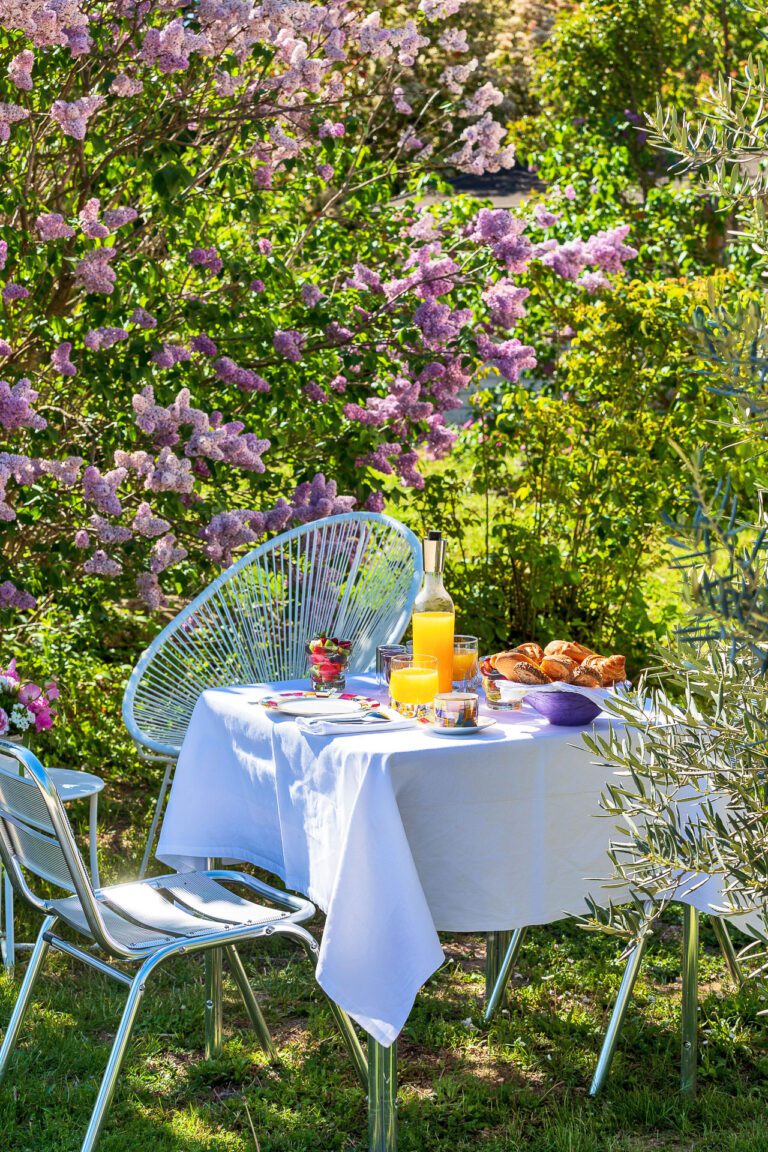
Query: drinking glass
[[465, 663], [384, 654], [328, 661], [413, 685]]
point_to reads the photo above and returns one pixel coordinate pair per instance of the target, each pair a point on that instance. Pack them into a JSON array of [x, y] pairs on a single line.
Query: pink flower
[[289, 343], [73, 116], [4, 722], [20, 70], [61, 361], [53, 226], [93, 272]]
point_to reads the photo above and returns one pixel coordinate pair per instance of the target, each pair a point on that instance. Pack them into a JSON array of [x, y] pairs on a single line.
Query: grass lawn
[[520, 1084]]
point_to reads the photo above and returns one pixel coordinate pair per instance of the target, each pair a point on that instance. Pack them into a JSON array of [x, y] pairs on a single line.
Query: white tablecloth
[[394, 835]]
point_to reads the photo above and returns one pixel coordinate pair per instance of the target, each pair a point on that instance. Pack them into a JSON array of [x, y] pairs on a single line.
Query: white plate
[[483, 723], [313, 706]]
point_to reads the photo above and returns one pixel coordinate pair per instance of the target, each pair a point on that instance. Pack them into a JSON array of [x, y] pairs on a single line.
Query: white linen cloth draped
[[395, 835]]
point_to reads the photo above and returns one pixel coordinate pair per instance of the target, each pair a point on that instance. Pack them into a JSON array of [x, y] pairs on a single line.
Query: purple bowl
[[569, 709]]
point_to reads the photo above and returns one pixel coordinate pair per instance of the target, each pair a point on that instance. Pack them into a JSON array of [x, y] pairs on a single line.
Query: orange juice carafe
[[433, 613]]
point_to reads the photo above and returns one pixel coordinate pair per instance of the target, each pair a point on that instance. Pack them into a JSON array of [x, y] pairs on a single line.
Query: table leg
[[93, 836], [214, 971], [605, 1059], [382, 1097], [496, 945], [690, 1006], [495, 991], [728, 950]]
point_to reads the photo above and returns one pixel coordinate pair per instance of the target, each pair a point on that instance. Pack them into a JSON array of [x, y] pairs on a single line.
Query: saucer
[[483, 723]]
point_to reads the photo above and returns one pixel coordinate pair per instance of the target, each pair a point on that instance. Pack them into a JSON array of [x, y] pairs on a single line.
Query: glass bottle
[[433, 612]]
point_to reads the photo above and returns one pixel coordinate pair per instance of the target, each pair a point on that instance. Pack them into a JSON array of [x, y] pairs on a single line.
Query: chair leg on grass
[[690, 1000], [251, 1004], [496, 945], [728, 950], [382, 1097], [112, 1071], [34, 967], [156, 818], [608, 1050], [494, 991]]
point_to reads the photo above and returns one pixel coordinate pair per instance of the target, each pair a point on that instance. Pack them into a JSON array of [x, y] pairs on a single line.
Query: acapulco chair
[[143, 924], [354, 576]]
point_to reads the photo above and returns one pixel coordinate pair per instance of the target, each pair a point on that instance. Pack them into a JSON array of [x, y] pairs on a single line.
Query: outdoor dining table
[[396, 835]]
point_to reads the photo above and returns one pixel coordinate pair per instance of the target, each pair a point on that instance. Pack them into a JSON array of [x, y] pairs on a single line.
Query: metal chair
[[355, 575], [71, 784], [143, 923]]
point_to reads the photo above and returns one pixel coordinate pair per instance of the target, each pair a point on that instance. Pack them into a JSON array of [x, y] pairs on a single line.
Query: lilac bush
[[223, 304]]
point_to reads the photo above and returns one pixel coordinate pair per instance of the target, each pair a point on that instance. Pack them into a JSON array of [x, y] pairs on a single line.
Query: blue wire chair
[[354, 576]]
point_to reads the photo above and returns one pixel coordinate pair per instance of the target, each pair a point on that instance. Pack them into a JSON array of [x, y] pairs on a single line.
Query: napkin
[[353, 726]]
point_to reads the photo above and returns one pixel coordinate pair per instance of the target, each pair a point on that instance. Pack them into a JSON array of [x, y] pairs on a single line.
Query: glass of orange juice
[[413, 685], [465, 663]]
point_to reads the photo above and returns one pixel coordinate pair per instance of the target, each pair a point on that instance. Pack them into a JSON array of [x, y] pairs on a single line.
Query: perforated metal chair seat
[[148, 914]]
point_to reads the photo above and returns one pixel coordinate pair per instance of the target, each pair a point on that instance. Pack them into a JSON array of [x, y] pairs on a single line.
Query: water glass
[[384, 654]]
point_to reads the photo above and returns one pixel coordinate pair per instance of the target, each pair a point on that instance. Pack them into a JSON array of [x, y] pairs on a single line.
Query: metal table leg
[[690, 1006], [495, 991], [616, 1023], [214, 970], [496, 946], [728, 950], [382, 1097], [93, 830]]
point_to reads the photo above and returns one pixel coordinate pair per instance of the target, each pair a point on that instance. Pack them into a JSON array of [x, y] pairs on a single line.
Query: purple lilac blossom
[[73, 116], [289, 344], [207, 258], [61, 361], [20, 70], [53, 226], [16, 409], [93, 272], [99, 564], [505, 303], [12, 292], [142, 318]]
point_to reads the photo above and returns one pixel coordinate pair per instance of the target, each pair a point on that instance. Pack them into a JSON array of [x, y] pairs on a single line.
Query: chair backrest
[[353, 576], [36, 840]]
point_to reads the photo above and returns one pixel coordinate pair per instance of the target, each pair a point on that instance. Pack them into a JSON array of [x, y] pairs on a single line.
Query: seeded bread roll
[[532, 652], [528, 674], [587, 678], [558, 667]]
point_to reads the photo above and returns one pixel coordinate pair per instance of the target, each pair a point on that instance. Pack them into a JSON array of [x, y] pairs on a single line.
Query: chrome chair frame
[[36, 838]]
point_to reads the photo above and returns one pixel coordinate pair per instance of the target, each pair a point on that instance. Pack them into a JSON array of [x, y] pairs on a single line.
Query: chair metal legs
[[495, 985], [36, 960], [690, 1000], [616, 1022], [170, 764], [382, 1097], [251, 1003], [112, 1071]]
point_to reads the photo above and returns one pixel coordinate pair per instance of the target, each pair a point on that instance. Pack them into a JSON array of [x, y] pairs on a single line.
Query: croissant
[[569, 648], [558, 667], [526, 673], [587, 678], [532, 652], [613, 669], [594, 661]]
